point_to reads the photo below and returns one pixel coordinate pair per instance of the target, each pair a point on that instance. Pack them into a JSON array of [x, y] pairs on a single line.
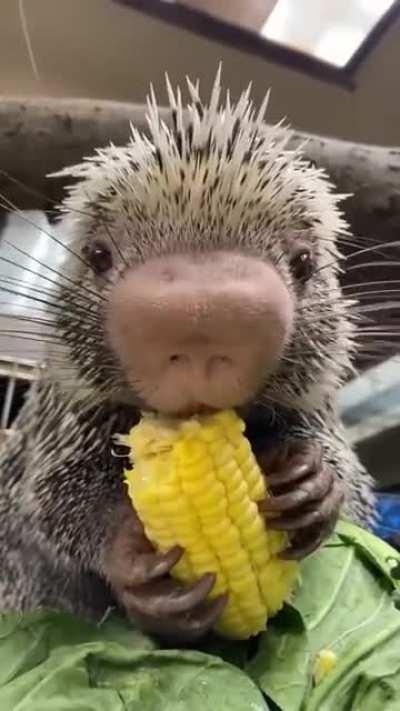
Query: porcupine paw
[[139, 577], [306, 496]]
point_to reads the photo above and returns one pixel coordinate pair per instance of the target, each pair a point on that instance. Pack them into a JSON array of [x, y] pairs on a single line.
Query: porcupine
[[201, 273]]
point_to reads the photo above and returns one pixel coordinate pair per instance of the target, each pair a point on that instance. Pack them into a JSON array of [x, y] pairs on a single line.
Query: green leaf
[[54, 662], [366, 664], [51, 661], [380, 553], [345, 604], [281, 665]]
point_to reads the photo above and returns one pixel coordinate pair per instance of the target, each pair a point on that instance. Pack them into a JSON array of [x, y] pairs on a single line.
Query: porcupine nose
[[194, 333]]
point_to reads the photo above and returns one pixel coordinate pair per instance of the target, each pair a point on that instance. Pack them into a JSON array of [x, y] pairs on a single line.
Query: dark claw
[[300, 461], [150, 566], [166, 598], [303, 545], [295, 471], [207, 616], [307, 540], [305, 496], [186, 628], [293, 523], [314, 489], [325, 511]]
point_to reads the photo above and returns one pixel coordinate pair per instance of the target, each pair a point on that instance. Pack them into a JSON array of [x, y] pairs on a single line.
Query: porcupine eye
[[99, 256], [302, 265]]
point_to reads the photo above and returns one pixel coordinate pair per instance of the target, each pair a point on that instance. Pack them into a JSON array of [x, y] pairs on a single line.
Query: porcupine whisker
[[362, 240], [379, 328], [30, 353], [39, 193], [380, 264], [390, 323], [7, 204], [351, 242], [386, 263], [367, 354], [30, 297], [360, 285], [29, 319], [379, 306], [36, 319], [24, 291], [381, 249], [380, 334], [352, 255], [51, 308], [375, 349], [21, 284], [380, 245], [358, 301], [383, 333], [13, 263], [36, 315], [378, 294], [338, 296], [84, 213], [39, 274], [18, 337], [63, 366], [37, 310], [25, 332], [375, 295], [376, 346], [363, 328], [28, 188], [381, 347], [60, 275], [384, 342], [378, 342]]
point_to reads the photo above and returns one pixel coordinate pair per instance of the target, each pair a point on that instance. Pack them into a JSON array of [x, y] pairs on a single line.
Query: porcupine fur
[[218, 178]]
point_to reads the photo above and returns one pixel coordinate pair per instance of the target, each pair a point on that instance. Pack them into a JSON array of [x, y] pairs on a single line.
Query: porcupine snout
[[199, 332]]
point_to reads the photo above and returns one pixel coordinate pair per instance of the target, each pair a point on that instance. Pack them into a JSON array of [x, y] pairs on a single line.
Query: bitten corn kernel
[[196, 483]]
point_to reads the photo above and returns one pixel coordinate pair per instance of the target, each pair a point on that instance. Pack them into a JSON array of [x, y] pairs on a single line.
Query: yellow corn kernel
[[325, 661], [195, 483]]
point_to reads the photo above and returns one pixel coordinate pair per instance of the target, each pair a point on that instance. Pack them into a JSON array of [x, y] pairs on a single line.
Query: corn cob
[[196, 483]]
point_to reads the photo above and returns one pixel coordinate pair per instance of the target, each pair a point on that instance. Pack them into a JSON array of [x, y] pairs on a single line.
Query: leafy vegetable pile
[[336, 647]]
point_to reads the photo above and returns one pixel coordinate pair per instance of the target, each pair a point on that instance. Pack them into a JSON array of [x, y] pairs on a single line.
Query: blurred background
[[333, 69]]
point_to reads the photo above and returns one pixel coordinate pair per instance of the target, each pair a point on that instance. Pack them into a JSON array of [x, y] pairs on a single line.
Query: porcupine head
[[210, 265]]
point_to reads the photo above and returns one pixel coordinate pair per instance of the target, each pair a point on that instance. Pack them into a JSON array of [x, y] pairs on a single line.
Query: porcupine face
[[209, 270]]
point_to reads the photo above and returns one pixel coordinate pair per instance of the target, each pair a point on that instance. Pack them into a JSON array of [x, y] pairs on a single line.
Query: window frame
[[203, 24]]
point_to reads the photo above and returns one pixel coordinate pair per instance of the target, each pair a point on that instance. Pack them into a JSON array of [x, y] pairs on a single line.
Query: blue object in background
[[388, 524]]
